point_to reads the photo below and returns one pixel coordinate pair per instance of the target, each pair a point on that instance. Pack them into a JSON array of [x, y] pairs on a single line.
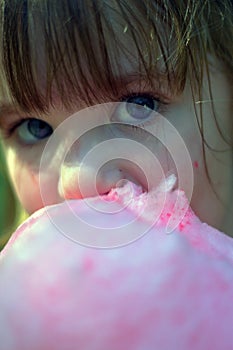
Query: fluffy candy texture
[[162, 291]]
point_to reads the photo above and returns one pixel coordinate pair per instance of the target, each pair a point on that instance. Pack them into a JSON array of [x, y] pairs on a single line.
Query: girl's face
[[26, 142]]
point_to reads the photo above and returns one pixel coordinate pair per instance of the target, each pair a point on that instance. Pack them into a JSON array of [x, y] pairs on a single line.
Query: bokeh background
[[11, 213]]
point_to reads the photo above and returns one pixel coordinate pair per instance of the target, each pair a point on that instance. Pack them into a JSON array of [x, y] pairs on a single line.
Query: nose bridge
[[79, 176], [85, 143]]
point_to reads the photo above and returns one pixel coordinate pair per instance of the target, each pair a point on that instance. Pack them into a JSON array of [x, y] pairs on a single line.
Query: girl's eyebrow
[[5, 113], [9, 110], [6, 109]]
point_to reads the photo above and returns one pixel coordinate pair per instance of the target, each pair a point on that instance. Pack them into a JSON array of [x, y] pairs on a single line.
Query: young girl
[[172, 58]]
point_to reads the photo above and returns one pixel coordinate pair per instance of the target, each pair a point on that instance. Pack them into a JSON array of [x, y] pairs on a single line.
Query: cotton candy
[[150, 291]]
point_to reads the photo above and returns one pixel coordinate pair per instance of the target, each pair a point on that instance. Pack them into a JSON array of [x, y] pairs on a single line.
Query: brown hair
[[74, 40]]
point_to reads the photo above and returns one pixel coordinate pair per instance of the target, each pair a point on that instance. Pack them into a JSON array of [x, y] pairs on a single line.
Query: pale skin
[[24, 161]]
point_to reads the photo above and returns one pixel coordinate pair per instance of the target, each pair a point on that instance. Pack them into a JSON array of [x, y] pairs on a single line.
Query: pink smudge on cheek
[[196, 164]]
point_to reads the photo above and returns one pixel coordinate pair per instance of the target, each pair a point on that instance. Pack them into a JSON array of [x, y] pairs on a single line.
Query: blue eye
[[33, 130], [136, 109], [140, 106]]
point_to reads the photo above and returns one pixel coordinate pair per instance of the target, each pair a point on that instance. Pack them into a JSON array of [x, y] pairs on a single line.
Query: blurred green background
[[11, 213]]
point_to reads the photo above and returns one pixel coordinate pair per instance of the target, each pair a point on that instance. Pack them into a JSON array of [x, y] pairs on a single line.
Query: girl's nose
[[93, 168]]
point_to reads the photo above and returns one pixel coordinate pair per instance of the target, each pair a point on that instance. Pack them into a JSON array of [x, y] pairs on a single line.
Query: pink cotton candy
[[160, 292]]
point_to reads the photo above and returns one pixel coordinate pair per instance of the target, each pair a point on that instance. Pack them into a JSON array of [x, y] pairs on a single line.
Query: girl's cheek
[[26, 185], [26, 181]]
